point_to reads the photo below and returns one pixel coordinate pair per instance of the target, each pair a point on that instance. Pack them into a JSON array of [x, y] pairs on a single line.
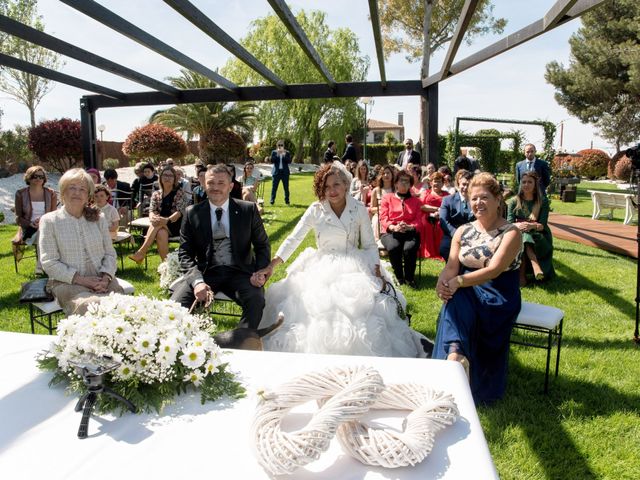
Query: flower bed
[[162, 350]]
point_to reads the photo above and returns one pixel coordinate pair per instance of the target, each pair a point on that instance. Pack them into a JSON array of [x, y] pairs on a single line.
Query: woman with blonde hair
[[529, 210], [480, 291], [31, 203], [360, 188], [75, 246], [249, 183], [165, 213]]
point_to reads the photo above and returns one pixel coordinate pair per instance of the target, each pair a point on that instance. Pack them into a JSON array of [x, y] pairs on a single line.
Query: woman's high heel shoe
[[136, 259]]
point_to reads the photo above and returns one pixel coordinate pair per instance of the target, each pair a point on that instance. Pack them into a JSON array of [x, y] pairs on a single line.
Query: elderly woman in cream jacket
[[75, 247], [331, 296]]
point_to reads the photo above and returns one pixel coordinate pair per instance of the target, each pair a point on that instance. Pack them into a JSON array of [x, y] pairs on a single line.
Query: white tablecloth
[[38, 425]]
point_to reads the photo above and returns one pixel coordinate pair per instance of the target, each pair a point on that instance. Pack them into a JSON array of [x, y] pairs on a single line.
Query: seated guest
[[447, 177], [101, 197], [529, 210], [360, 188], [384, 184], [249, 183], [430, 230], [399, 221], [75, 247], [480, 291], [120, 192], [224, 244], [199, 192], [135, 185], [146, 186], [183, 182], [95, 175], [419, 184], [31, 203], [455, 211], [236, 191], [165, 213]]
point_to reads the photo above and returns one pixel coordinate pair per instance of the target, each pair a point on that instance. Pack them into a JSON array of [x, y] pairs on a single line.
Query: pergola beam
[[39, 71], [129, 30], [468, 9], [557, 11], [289, 21], [377, 37], [204, 23], [10, 26], [260, 93], [525, 34]]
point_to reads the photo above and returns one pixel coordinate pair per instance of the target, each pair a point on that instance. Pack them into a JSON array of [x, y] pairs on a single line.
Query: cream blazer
[[63, 239]]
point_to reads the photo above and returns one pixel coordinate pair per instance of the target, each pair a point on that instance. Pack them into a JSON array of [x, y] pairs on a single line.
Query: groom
[[216, 241]]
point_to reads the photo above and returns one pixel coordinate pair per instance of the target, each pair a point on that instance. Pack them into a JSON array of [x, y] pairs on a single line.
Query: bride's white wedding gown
[[330, 297]]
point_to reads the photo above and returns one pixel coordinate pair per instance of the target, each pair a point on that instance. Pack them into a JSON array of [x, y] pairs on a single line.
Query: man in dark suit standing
[[280, 159], [531, 162], [223, 244], [331, 152], [465, 163], [408, 155], [350, 150], [455, 211], [120, 191]]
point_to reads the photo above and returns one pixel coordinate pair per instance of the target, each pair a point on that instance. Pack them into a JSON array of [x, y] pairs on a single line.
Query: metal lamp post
[[365, 101], [101, 128]]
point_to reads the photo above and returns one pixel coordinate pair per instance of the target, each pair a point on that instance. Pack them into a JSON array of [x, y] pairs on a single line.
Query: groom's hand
[[258, 279], [200, 291]]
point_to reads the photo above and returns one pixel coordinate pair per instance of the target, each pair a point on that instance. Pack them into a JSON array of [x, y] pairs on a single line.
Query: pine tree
[[601, 85]]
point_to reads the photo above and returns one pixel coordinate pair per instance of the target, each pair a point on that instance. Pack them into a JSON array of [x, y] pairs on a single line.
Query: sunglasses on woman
[[38, 177]]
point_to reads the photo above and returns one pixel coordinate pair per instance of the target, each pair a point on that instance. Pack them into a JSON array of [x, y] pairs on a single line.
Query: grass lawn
[[588, 426]]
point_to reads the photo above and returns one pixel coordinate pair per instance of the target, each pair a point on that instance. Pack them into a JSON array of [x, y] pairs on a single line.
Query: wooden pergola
[[161, 93]]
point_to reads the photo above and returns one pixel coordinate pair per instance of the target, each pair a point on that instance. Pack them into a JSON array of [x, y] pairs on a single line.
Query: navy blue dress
[[480, 318]]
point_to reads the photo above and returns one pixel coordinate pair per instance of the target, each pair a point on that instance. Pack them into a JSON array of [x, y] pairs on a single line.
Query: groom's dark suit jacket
[[247, 231]]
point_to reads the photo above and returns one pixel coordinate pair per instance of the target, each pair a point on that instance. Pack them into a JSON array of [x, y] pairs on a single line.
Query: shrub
[[14, 146], [611, 166], [224, 146], [564, 165], [189, 159], [623, 169], [155, 141], [57, 143], [110, 163], [592, 163]]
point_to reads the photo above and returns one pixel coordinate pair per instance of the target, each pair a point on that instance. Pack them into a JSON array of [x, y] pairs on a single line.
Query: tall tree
[[314, 121], [601, 85], [402, 24], [202, 119], [26, 88]]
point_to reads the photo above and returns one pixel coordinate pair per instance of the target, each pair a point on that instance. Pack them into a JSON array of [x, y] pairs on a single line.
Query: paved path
[[607, 235]]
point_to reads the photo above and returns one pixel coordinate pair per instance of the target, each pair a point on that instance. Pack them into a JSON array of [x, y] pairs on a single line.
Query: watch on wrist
[[460, 281]]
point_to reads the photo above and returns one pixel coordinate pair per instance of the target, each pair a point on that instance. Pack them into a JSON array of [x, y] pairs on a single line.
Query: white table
[[38, 425]]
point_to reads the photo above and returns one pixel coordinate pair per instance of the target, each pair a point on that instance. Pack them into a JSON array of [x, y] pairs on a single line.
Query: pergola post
[[431, 150], [88, 126]]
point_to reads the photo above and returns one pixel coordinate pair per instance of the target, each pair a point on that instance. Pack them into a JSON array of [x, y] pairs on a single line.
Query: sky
[[509, 86]]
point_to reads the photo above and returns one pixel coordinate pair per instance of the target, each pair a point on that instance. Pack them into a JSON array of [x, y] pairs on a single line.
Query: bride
[[331, 296]]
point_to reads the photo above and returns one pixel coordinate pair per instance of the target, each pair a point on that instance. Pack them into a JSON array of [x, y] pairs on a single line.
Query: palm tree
[[200, 119]]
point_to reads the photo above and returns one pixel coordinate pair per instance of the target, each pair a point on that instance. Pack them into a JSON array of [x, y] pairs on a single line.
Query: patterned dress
[[480, 318]]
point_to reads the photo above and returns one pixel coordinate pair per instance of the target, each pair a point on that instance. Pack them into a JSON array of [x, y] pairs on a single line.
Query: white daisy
[[193, 357]]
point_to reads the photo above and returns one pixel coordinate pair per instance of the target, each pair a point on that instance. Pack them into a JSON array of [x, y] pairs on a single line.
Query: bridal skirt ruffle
[[332, 304]]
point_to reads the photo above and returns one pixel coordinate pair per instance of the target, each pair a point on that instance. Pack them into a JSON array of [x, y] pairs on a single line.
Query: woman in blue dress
[[481, 294]]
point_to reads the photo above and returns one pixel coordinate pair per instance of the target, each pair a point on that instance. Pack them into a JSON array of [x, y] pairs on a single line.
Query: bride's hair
[[320, 178]]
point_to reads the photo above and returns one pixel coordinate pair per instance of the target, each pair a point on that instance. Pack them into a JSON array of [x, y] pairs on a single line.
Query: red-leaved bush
[[592, 163], [611, 166], [224, 146], [57, 143], [155, 141], [623, 169]]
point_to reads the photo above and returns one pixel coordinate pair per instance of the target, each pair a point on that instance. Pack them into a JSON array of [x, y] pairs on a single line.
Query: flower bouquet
[[162, 350], [169, 270]]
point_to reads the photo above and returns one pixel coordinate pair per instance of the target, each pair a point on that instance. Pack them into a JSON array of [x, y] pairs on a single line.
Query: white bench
[[535, 318], [612, 200], [38, 311]]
